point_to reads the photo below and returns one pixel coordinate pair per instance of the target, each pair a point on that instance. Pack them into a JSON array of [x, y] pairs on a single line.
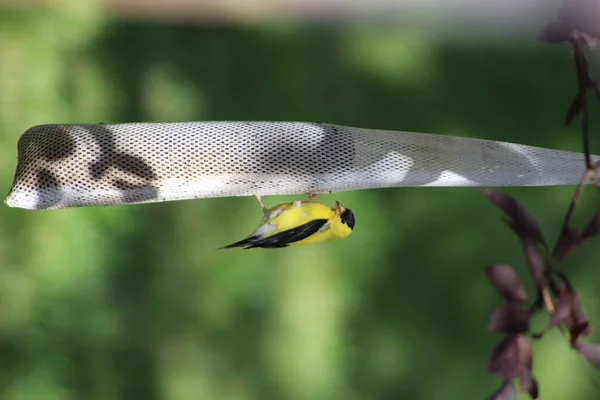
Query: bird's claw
[[314, 195], [264, 209]]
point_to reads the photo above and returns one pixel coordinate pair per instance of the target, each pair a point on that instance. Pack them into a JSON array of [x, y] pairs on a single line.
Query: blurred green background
[[135, 303]]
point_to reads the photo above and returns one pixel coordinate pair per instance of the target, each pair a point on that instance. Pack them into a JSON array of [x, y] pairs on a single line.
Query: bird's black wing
[[283, 239]]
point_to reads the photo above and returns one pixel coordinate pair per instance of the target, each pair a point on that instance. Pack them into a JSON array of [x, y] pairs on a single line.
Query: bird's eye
[[347, 218]]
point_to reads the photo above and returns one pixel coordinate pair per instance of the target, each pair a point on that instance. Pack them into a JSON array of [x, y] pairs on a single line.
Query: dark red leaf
[[592, 228], [510, 357], [568, 311], [510, 318], [590, 351], [535, 260], [575, 109], [507, 282], [520, 220], [569, 241], [563, 308], [581, 15], [525, 354], [596, 90], [582, 328], [505, 392], [578, 323], [504, 361], [529, 384], [556, 32]]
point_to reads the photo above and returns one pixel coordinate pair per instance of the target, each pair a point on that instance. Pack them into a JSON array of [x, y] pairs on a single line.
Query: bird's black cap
[[348, 218]]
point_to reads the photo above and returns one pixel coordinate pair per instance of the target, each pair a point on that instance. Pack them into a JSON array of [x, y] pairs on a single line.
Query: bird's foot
[[314, 195], [264, 209]]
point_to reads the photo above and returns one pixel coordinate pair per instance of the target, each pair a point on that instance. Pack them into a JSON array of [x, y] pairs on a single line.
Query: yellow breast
[[292, 215]]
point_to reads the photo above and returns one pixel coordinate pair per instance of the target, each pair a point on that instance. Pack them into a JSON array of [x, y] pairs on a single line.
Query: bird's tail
[[247, 242]]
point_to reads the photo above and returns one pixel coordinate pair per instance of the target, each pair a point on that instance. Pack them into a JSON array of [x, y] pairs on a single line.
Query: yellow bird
[[299, 223]]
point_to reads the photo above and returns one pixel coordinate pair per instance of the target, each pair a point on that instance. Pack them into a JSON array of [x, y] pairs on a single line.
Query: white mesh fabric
[[61, 166]]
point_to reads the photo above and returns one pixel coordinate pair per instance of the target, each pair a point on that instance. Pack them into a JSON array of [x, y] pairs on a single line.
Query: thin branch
[[583, 78], [574, 200]]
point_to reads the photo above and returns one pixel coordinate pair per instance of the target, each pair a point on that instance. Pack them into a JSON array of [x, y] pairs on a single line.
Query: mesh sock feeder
[[66, 166]]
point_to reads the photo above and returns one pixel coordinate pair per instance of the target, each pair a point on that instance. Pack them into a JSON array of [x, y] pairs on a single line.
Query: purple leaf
[[596, 90], [581, 15], [529, 384], [590, 351], [535, 260], [592, 228], [520, 220], [582, 328], [568, 311], [505, 392], [555, 32], [568, 242], [510, 357], [578, 324], [525, 354], [563, 308], [510, 318], [575, 109], [504, 361], [507, 282]]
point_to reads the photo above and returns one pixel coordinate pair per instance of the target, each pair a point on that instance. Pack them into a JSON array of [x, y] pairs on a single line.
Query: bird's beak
[[339, 207]]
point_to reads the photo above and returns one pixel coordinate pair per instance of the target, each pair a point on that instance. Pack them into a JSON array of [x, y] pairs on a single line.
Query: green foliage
[[135, 303]]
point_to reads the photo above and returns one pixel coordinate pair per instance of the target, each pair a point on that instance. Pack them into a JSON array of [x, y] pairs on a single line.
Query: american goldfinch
[[299, 223]]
